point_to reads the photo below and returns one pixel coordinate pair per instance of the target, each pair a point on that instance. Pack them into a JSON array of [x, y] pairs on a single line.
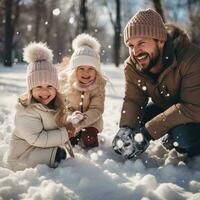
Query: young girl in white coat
[[84, 87], [40, 121]]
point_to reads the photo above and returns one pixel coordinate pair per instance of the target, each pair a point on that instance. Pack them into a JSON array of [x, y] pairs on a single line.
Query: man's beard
[[153, 61]]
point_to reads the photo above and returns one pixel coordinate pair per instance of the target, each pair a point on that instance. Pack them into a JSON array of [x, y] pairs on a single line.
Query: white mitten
[[76, 117]]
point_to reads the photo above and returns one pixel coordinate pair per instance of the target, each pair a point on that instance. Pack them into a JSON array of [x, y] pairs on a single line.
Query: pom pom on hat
[[86, 40], [86, 52], [40, 70], [37, 51]]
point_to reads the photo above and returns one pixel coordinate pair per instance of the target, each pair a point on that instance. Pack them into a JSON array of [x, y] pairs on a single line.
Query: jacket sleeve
[[29, 126], [187, 110], [135, 100], [96, 108]]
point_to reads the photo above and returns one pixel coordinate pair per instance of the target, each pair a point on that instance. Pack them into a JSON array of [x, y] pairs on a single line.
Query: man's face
[[147, 52]]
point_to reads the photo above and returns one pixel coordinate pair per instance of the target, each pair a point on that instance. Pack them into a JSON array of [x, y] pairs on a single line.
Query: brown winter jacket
[[177, 89]]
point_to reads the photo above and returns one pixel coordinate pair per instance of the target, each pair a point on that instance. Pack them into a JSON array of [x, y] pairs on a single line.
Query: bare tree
[[39, 7], [117, 40], [50, 20], [194, 15], [117, 31], [83, 24], [158, 7], [11, 18]]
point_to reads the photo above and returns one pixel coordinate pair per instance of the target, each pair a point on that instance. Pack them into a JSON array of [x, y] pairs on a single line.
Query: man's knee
[[185, 138]]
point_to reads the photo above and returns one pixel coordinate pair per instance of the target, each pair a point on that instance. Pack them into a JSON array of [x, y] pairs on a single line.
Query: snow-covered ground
[[97, 174]]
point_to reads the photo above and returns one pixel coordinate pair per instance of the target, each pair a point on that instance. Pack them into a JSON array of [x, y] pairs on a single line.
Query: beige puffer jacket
[[35, 138], [93, 101]]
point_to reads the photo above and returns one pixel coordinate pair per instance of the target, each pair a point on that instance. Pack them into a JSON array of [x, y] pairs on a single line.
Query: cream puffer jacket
[[35, 138]]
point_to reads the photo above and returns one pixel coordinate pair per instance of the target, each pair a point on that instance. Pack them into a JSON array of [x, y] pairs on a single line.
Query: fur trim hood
[[177, 34]]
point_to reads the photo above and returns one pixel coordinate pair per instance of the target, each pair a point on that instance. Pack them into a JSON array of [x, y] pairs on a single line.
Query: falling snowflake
[[139, 138], [71, 20], [144, 88], [176, 144], [29, 27], [56, 11]]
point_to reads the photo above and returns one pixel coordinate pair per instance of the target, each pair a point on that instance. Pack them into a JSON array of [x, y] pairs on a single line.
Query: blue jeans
[[186, 136]]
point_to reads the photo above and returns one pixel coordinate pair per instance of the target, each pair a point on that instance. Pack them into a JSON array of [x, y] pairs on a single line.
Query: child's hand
[[76, 117], [71, 130]]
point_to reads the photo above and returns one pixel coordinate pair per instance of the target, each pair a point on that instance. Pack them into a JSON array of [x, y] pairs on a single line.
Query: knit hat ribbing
[[86, 52], [145, 23], [40, 69]]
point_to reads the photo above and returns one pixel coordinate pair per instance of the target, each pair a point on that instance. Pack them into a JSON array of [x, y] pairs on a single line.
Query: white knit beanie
[[86, 52], [40, 69]]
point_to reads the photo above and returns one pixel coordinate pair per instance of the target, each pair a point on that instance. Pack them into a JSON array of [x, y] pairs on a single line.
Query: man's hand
[[122, 139], [131, 143], [140, 142]]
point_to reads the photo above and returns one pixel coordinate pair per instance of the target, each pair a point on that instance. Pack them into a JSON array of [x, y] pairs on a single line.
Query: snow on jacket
[[177, 89], [35, 138], [92, 101]]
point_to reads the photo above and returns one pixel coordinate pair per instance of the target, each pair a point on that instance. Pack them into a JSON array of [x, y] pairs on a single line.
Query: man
[[165, 66]]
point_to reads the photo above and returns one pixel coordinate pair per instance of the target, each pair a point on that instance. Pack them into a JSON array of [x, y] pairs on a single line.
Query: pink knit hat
[[145, 23], [40, 69]]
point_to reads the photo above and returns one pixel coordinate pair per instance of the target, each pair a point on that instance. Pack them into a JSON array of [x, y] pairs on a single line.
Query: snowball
[[120, 144]]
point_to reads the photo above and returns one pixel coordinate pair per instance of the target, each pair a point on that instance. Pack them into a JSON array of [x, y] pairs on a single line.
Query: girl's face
[[86, 74], [44, 94]]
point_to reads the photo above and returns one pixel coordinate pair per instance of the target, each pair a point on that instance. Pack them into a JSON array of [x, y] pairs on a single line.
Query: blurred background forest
[[57, 22]]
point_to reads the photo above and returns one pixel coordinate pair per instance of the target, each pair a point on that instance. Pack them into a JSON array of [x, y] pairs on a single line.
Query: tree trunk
[[194, 16], [83, 17], [158, 7], [39, 7], [117, 38], [50, 22], [8, 33], [11, 20]]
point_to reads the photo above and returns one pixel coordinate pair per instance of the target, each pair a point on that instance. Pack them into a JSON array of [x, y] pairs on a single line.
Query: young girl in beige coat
[[84, 87], [40, 127]]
